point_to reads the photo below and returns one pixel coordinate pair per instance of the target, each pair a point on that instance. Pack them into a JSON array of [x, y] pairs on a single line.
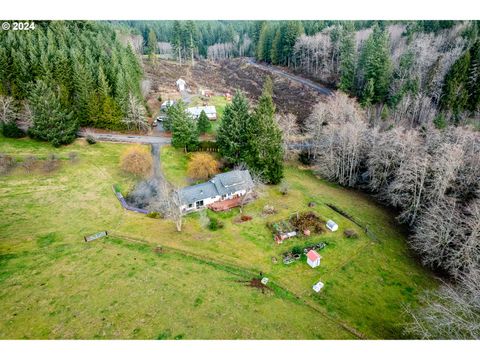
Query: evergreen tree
[[347, 58], [376, 65], [50, 121], [177, 39], [184, 130], [454, 94], [151, 44], [232, 136], [192, 36], [265, 152], [203, 123]]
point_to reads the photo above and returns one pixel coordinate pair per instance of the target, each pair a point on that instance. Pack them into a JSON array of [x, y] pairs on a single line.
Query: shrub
[[284, 187], [91, 139], [136, 160], [305, 157], [297, 250], [215, 224], [202, 166], [269, 210], [29, 163], [73, 156], [6, 163], [350, 233], [52, 163], [155, 215], [11, 130]]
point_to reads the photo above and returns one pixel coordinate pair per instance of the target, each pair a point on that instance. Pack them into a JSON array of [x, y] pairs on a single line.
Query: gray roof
[[220, 184]]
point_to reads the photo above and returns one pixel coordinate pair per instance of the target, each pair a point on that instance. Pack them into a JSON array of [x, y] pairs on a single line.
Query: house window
[[199, 203], [190, 205]]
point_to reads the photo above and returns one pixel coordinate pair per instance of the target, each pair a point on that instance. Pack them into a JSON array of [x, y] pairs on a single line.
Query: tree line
[[431, 176], [69, 74]]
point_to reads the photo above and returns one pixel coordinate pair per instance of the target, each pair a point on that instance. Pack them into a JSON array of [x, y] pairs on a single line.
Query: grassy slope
[[138, 293]]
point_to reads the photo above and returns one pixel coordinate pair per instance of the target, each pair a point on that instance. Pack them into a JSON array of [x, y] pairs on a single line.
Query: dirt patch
[[257, 284], [227, 76], [308, 221]]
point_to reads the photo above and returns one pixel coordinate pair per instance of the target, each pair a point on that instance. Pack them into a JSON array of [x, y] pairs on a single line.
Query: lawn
[[53, 285]]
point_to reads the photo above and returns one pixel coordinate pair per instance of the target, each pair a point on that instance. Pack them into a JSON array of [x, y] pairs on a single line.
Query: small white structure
[[181, 84], [167, 104], [318, 286], [332, 225], [313, 258], [210, 111], [264, 281]]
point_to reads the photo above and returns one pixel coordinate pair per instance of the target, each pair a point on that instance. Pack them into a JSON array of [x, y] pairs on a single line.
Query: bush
[[202, 166], [350, 233], [215, 224], [91, 139], [297, 250], [136, 160], [29, 163], [73, 156], [305, 157], [7, 163], [155, 215], [52, 163], [11, 130], [284, 187]]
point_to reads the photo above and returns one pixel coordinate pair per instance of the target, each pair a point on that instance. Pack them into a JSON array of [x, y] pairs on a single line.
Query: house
[[222, 187], [181, 84], [313, 258], [318, 286], [332, 225], [166, 104], [209, 110]]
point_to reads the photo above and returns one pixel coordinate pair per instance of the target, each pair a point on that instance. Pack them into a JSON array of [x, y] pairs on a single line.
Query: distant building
[[209, 110], [318, 286], [313, 258], [181, 84], [222, 187]]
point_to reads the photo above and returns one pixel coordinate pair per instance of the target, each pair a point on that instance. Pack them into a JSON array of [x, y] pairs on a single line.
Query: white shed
[[318, 286], [313, 258], [332, 225], [181, 84]]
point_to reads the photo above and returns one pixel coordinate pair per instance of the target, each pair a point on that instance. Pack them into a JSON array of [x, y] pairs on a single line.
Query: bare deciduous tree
[[7, 109], [291, 134], [168, 202], [135, 117], [452, 312]]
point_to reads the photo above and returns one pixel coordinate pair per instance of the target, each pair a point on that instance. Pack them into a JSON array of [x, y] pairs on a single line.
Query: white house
[[181, 84], [224, 186], [313, 258], [197, 110], [166, 104], [332, 225], [318, 286]]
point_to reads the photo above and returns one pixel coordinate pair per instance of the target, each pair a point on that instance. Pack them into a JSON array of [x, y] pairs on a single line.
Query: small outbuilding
[[313, 258], [181, 84], [318, 286], [332, 225]]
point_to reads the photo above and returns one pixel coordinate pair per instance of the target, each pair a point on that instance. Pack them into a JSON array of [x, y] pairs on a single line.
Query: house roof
[[313, 255], [196, 110], [220, 184]]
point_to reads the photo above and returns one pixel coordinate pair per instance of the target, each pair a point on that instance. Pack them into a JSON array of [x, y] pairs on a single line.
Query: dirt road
[[321, 89], [141, 139]]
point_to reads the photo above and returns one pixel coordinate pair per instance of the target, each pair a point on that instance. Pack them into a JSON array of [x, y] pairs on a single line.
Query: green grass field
[[54, 285]]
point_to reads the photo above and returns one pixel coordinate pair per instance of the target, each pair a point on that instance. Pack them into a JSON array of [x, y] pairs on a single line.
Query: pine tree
[[454, 94], [265, 152], [203, 123], [232, 136], [184, 130], [192, 36], [376, 65], [347, 58], [151, 44], [50, 121], [177, 39]]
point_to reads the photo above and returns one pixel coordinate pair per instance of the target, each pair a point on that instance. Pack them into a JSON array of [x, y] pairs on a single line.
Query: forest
[[64, 75]]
